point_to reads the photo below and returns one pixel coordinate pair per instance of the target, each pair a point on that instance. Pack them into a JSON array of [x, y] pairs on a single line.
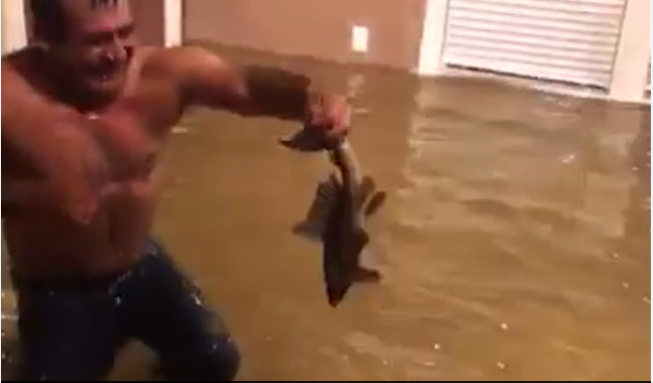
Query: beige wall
[[13, 25], [148, 15], [320, 29], [632, 63]]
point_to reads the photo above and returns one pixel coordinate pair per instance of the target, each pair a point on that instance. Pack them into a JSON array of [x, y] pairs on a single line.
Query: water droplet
[[214, 347], [197, 300], [345, 357], [501, 365], [50, 293], [647, 300], [385, 362], [504, 326], [118, 301], [615, 255], [9, 317], [360, 111], [436, 346], [625, 285], [635, 168], [571, 348], [179, 130], [426, 363], [568, 158]]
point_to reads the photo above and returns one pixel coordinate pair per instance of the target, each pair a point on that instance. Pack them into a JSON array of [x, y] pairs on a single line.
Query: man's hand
[[329, 117]]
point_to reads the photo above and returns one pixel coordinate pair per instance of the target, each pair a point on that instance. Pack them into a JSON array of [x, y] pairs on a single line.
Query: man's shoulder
[[166, 54], [17, 62], [21, 90], [176, 60], [17, 70]]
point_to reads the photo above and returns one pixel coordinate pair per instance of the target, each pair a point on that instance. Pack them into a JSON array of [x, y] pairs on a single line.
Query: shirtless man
[[84, 116]]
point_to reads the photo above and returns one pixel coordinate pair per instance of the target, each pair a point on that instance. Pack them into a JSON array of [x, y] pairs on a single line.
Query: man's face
[[98, 45]]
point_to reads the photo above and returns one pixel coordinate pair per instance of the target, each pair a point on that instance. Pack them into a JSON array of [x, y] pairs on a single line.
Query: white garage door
[[564, 40]]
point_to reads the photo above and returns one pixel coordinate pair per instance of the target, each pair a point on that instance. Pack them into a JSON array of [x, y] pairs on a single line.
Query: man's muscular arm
[[205, 79]]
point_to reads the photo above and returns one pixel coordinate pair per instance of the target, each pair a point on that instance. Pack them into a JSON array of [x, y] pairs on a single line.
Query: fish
[[337, 216]]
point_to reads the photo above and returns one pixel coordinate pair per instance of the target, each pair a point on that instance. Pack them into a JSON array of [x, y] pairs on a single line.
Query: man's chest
[[130, 132], [127, 143]]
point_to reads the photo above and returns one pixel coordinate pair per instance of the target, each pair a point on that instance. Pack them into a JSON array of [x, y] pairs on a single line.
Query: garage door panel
[[565, 40]]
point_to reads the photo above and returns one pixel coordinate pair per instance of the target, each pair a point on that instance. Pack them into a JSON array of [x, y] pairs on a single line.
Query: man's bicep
[[206, 79]]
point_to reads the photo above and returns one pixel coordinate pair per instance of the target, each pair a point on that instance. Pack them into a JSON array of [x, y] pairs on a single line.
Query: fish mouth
[[335, 295], [336, 291], [303, 141]]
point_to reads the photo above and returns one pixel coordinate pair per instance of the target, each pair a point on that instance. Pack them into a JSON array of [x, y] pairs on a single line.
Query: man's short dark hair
[[49, 19]]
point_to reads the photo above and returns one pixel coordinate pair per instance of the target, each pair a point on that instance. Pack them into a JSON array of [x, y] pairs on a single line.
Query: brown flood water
[[514, 244]]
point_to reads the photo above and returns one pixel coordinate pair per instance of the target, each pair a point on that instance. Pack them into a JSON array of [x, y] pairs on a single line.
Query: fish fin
[[333, 182], [303, 141], [368, 183], [375, 254], [315, 222], [375, 203], [366, 275], [367, 186], [308, 230]]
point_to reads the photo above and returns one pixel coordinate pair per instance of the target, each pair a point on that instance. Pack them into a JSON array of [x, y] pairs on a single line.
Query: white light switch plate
[[359, 38]]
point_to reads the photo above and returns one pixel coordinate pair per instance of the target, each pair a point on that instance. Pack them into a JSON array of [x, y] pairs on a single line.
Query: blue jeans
[[73, 328]]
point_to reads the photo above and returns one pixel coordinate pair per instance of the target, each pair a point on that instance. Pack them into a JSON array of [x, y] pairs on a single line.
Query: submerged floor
[[515, 243]]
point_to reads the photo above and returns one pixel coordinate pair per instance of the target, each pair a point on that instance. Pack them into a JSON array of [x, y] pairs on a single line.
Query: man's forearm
[[277, 92]]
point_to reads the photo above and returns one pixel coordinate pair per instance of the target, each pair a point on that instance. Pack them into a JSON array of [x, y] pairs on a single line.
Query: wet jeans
[[73, 329]]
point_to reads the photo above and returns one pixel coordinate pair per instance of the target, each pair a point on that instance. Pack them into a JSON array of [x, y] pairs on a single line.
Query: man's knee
[[220, 362], [224, 360]]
